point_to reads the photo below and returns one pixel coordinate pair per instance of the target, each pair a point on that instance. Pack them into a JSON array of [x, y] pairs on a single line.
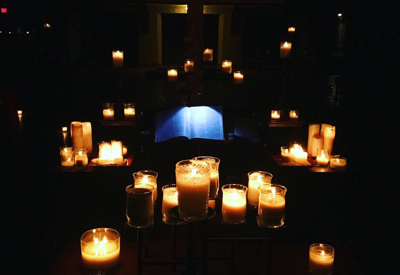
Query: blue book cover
[[203, 122]]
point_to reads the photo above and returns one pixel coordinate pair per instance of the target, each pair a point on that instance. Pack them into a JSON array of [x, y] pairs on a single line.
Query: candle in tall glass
[[238, 77], [172, 75], [208, 55], [321, 258], [108, 111], [214, 175], [139, 206], [146, 177], [129, 111], [170, 200], [189, 66], [227, 66], [67, 156], [118, 58], [271, 207], [256, 178], [285, 49], [234, 203], [81, 157]]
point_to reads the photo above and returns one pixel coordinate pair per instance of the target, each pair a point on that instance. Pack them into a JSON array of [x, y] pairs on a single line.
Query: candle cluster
[[81, 134], [320, 136], [110, 153], [295, 154]]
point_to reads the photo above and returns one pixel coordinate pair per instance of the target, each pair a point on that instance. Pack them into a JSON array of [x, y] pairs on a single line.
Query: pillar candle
[[329, 137], [105, 156], [87, 137], [77, 135], [317, 142], [238, 77], [170, 200], [313, 129], [285, 49], [234, 203], [321, 258], [227, 66], [118, 58], [256, 178], [116, 152], [189, 66], [172, 75], [208, 55]]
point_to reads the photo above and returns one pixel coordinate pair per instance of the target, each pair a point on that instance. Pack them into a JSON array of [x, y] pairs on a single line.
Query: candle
[[139, 206], [256, 178], [338, 163], [193, 184], [172, 75], [234, 203], [329, 137], [189, 66], [81, 158], [105, 155], [129, 110], [46, 26], [208, 55], [214, 173], [317, 142], [291, 29], [100, 249], [170, 200], [285, 49], [271, 207], [211, 203], [238, 77], [286, 156], [19, 113], [118, 58], [87, 137], [298, 155], [227, 66], [293, 114], [146, 177], [321, 258], [313, 129], [323, 156], [124, 150], [64, 129], [67, 156], [64, 133], [275, 114], [77, 135], [116, 152], [108, 111]]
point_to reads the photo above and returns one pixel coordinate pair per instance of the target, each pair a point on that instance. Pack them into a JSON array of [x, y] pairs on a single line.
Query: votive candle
[[321, 258]]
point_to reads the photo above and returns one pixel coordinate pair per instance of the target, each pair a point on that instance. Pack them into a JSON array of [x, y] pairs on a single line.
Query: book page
[[206, 122], [172, 123]]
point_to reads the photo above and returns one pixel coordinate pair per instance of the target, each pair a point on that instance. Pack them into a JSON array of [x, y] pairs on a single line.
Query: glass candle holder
[[275, 114], [234, 203], [256, 178], [170, 200], [321, 258], [338, 163], [193, 184], [81, 157], [214, 174], [271, 207], [67, 156], [285, 49], [226, 66], [146, 177], [118, 58], [208, 55], [189, 66], [238, 77], [100, 249], [139, 205], [322, 156], [286, 156], [108, 111], [293, 114], [172, 75], [129, 111]]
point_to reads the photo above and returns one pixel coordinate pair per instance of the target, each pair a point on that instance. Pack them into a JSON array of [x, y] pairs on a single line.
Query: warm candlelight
[[321, 258], [87, 137], [238, 77], [329, 137], [118, 58], [19, 113], [313, 129], [129, 111], [208, 55], [67, 156], [275, 114], [214, 174], [227, 66], [271, 207], [139, 206], [77, 135], [285, 49], [64, 129], [111, 153], [81, 157], [172, 75], [256, 178], [46, 26], [234, 203], [293, 114], [193, 184], [146, 177], [170, 200], [211, 203], [189, 66], [298, 155], [322, 156], [100, 249], [286, 156], [124, 150], [291, 29], [338, 163], [108, 111]]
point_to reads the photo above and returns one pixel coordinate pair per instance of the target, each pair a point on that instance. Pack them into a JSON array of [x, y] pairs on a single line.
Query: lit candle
[[313, 129], [100, 249], [170, 200], [64, 133], [298, 155], [338, 163], [208, 55], [77, 135], [139, 206], [19, 113], [108, 111], [214, 174], [256, 178], [321, 258], [234, 203], [285, 49], [291, 29], [227, 66], [329, 137], [124, 150], [87, 137], [146, 177], [116, 152], [323, 156], [294, 114], [189, 66], [129, 110], [105, 155], [275, 114], [46, 26], [286, 156], [238, 77], [193, 185], [81, 158], [118, 58], [271, 207], [211, 203], [172, 75], [67, 156]]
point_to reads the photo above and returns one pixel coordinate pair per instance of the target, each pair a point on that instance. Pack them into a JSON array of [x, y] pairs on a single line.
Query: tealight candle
[[172, 75], [170, 200], [271, 207], [256, 178], [100, 249], [118, 58], [338, 163], [238, 77], [293, 114], [285, 49], [208, 55], [321, 258], [129, 110], [234, 203], [67, 156], [81, 158], [322, 156], [146, 177], [108, 111], [189, 66], [275, 114], [227, 66]]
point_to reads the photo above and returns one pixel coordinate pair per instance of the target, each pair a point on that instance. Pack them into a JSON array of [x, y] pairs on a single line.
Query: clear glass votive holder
[[256, 178], [338, 163], [193, 185], [169, 201], [189, 66], [81, 158], [294, 114], [129, 111], [286, 156], [108, 111], [321, 258], [234, 203], [208, 55], [100, 250], [323, 156], [271, 206], [139, 205], [214, 174], [226, 66], [146, 177], [275, 114], [67, 156]]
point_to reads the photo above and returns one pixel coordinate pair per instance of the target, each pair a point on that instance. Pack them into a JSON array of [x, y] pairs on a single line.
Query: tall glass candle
[[214, 175], [139, 206], [118, 58], [189, 66], [67, 156], [256, 178], [172, 75], [234, 203], [271, 207], [227, 66], [208, 55], [170, 200], [238, 77], [108, 111], [129, 111], [81, 157], [146, 177], [321, 258]]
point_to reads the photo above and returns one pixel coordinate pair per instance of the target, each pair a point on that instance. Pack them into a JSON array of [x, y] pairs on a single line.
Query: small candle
[[321, 258], [338, 163], [67, 156], [146, 177], [291, 29], [81, 158], [139, 206], [285, 49], [294, 114], [64, 133], [211, 203], [256, 178], [271, 207], [64, 129], [129, 110], [124, 150], [189, 66], [286, 156], [275, 114], [234, 203], [118, 58], [172, 75], [46, 26], [208, 55], [227, 66], [322, 156], [238, 77], [108, 111], [100, 249], [170, 200]]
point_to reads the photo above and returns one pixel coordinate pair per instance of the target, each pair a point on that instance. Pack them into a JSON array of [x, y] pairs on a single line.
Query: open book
[[203, 122]]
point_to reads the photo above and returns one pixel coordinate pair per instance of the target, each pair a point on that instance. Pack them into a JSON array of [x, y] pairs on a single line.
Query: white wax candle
[[172, 75], [285, 49], [255, 180], [313, 129], [329, 137], [321, 260], [227, 66], [275, 114], [338, 163], [234, 206], [317, 142], [189, 66], [300, 157], [272, 208], [118, 58], [108, 113], [105, 155], [208, 55], [77, 135], [170, 200], [139, 182], [87, 136], [238, 77]]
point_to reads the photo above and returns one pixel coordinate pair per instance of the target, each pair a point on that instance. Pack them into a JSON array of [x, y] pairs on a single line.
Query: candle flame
[[273, 192], [145, 180], [259, 179], [194, 172], [64, 129], [322, 252], [235, 195]]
